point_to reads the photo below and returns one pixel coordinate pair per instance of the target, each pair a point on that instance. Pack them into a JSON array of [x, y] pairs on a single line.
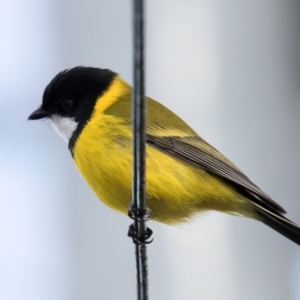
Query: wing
[[194, 151]]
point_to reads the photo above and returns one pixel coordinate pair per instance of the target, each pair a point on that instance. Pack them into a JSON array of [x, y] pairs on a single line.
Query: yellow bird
[[91, 109]]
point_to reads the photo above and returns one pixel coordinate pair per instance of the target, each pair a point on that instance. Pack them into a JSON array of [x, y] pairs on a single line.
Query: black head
[[73, 92]]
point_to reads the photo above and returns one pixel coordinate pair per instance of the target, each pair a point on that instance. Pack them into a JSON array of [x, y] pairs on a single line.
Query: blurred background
[[231, 69]]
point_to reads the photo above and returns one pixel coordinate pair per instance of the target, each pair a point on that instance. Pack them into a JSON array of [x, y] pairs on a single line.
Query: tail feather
[[279, 223]]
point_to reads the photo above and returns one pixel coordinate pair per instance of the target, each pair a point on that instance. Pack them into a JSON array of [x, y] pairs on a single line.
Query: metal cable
[[138, 115]]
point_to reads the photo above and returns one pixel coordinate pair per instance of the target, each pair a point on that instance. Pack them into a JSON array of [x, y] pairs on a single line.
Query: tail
[[278, 222]]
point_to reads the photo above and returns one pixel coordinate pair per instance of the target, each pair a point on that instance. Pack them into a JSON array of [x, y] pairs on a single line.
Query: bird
[[90, 108]]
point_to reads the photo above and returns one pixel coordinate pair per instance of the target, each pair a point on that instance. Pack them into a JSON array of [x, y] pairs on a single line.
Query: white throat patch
[[64, 126]]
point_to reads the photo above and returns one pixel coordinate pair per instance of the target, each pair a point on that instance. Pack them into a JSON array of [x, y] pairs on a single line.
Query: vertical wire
[[138, 115]]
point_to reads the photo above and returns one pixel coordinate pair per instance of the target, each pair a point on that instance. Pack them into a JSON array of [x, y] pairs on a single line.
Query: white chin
[[64, 126]]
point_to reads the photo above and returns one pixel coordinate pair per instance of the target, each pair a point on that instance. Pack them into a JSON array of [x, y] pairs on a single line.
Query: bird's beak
[[38, 114]]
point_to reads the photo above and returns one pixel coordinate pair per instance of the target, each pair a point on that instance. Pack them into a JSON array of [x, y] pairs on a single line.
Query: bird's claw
[[132, 213], [140, 240], [138, 216]]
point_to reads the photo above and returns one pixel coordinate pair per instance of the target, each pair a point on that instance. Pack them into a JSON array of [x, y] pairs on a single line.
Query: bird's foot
[[140, 240], [132, 213], [132, 232]]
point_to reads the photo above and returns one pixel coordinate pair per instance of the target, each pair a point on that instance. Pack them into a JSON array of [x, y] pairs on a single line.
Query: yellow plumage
[[175, 190]]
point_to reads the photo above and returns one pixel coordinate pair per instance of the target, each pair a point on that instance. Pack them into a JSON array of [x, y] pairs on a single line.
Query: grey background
[[229, 68]]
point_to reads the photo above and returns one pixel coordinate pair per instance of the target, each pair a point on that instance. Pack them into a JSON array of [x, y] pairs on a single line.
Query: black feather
[[199, 158]]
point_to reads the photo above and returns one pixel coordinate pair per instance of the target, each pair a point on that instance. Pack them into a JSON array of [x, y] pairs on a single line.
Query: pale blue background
[[229, 68]]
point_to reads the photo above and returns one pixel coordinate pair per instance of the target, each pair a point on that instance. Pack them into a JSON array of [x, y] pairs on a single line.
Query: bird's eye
[[67, 104]]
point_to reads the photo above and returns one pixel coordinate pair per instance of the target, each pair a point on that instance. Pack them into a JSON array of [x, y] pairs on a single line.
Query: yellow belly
[[175, 190]]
